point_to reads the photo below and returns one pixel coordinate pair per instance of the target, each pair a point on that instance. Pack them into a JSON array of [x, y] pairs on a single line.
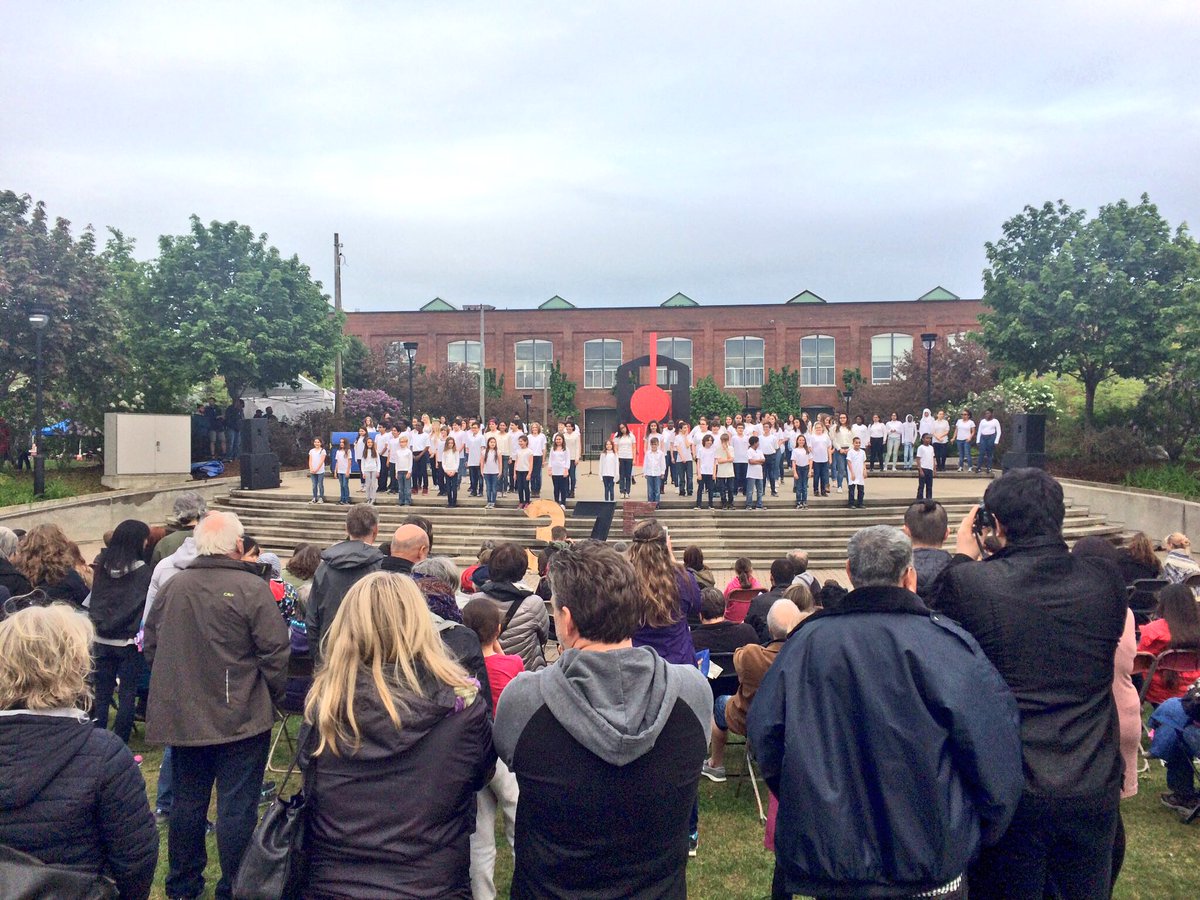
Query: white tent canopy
[[289, 402]]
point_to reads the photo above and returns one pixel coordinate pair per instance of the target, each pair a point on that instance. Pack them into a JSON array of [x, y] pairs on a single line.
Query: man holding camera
[[1050, 623]]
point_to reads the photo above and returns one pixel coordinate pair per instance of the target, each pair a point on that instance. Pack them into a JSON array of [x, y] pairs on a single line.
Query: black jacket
[[71, 795], [756, 615], [892, 745], [10, 578], [118, 600], [1049, 621], [929, 562], [341, 566], [394, 818], [70, 589]]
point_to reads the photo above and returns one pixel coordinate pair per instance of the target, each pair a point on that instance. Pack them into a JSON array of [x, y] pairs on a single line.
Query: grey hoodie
[[167, 568], [614, 703]]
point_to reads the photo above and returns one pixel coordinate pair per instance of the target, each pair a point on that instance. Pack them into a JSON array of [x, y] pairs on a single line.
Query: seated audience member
[[482, 616], [71, 795], [1179, 565], [392, 779], [743, 577], [467, 583], [16, 583], [301, 568], [606, 745], [693, 558], [188, 509], [525, 625], [1138, 559], [751, 663], [927, 527], [800, 595], [715, 633], [1176, 725], [51, 563], [1176, 628], [423, 523], [831, 594], [286, 595], [851, 821], [782, 574], [799, 560]]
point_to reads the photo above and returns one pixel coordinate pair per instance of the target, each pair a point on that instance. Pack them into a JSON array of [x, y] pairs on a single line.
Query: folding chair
[[737, 604], [762, 815], [1143, 598], [300, 666], [1143, 666]]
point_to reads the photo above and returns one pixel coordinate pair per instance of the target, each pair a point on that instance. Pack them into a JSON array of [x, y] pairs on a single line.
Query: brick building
[[734, 344]]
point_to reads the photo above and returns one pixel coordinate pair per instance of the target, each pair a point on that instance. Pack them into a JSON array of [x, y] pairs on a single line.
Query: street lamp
[[527, 398], [847, 395], [410, 353], [928, 339], [481, 308], [38, 320]]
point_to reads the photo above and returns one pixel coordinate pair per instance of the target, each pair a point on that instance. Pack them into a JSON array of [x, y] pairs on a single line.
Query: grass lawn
[[72, 480], [1160, 863]]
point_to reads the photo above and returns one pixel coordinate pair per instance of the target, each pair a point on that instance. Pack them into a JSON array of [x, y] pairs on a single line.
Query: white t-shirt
[[523, 460], [608, 464], [490, 465], [819, 446], [369, 465], [418, 441], [514, 435], [316, 461], [668, 436], [800, 457], [342, 461], [474, 444], [725, 465], [683, 448], [856, 467], [560, 462], [654, 463], [862, 432], [940, 429], [625, 446], [754, 460], [925, 456], [877, 430], [707, 458], [988, 426], [768, 443], [537, 444], [741, 447], [450, 462], [403, 458], [963, 430]]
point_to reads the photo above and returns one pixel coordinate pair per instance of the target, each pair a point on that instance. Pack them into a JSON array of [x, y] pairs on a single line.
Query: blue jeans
[[625, 467], [489, 486], [820, 477], [964, 454], [344, 483], [801, 484], [535, 477], [839, 467], [987, 449], [404, 489], [318, 484], [719, 705], [609, 493], [684, 472], [233, 442], [654, 488], [908, 456], [572, 477], [893, 450], [754, 489], [237, 770]]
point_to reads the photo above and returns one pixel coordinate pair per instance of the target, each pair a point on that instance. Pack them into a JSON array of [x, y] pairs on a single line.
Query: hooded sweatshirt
[[341, 566], [607, 749], [167, 569], [118, 599]]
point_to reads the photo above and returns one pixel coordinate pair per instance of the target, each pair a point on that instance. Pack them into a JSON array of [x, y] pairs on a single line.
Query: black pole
[[39, 461], [412, 413], [929, 377]]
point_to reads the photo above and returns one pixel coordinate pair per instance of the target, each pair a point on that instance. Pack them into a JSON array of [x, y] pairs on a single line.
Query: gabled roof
[[437, 304], [807, 297], [679, 300], [939, 293], [557, 302]]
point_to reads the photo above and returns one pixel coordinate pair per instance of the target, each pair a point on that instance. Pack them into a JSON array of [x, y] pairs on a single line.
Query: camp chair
[[1143, 598], [737, 604], [300, 666]]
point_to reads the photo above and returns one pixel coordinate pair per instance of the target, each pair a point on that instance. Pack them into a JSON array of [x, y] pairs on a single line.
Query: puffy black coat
[[394, 818], [10, 578], [118, 600], [70, 589], [71, 795]]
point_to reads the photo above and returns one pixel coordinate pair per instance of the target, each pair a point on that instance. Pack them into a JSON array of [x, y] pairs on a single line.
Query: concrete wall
[[1137, 510]]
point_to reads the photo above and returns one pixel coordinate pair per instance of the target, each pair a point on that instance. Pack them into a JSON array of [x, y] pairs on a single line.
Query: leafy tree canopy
[[562, 394], [709, 400], [781, 392], [1091, 298]]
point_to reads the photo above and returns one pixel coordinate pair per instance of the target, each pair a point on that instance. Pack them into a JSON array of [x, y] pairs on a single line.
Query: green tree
[[781, 392], [1091, 298], [221, 301], [357, 368], [493, 387], [562, 394], [709, 400]]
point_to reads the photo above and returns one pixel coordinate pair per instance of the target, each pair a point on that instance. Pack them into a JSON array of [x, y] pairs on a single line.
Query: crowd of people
[[741, 456], [957, 722]]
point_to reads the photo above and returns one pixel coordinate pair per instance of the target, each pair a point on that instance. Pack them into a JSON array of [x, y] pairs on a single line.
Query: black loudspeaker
[[259, 471], [1028, 434], [256, 436], [1023, 459]]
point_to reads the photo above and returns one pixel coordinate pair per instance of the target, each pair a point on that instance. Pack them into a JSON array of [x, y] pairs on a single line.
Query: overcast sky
[[610, 152]]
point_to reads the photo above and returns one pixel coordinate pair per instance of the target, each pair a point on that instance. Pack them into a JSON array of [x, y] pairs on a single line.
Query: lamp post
[[410, 353], [481, 308], [527, 398], [928, 339], [847, 395], [38, 320]]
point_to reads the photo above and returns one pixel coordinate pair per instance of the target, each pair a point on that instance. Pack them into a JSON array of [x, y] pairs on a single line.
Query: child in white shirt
[[800, 463], [608, 471], [926, 461], [654, 467], [402, 459], [316, 470], [856, 473], [754, 473]]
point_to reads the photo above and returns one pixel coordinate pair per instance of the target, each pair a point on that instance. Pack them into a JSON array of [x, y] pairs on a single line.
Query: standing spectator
[[116, 608], [988, 437], [743, 577], [927, 526], [235, 412], [11, 579], [400, 742], [851, 821], [49, 562], [526, 624], [693, 559], [1030, 603], [1176, 628], [341, 565], [751, 663], [940, 431], [71, 795], [186, 510], [213, 700], [715, 633], [214, 424], [1179, 565], [607, 744], [799, 560]]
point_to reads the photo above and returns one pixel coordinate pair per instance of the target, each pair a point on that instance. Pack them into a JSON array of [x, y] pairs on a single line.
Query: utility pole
[[337, 306]]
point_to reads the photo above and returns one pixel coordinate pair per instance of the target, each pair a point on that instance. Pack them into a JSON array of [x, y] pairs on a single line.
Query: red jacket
[[1156, 637]]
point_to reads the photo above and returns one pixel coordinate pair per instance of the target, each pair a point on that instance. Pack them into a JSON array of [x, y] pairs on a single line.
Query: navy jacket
[[892, 744]]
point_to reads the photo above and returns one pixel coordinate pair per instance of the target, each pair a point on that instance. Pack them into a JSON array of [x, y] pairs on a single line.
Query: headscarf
[[926, 423]]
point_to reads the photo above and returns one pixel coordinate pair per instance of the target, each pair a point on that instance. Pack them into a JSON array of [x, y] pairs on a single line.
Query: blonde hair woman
[[400, 742], [73, 795]]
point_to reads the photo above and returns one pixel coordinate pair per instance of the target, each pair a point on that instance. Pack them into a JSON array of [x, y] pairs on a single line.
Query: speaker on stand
[[260, 467], [1026, 442]]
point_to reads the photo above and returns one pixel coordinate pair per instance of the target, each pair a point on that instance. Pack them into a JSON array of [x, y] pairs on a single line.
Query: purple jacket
[[674, 642]]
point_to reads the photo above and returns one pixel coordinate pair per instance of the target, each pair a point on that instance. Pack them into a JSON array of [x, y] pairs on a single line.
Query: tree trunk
[[1089, 401]]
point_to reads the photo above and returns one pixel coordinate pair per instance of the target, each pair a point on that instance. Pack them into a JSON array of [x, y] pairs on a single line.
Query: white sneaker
[[839, 490]]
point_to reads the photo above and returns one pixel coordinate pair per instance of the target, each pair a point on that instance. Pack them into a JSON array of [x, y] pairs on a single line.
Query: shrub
[[1095, 454], [1172, 478], [358, 404]]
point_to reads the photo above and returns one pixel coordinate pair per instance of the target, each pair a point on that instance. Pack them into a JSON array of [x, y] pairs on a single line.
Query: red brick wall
[[781, 326]]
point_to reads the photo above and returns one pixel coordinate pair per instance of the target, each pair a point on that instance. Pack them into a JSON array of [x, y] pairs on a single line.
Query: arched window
[[533, 364], [464, 353], [817, 360], [678, 349], [744, 362], [886, 350], [600, 361]]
